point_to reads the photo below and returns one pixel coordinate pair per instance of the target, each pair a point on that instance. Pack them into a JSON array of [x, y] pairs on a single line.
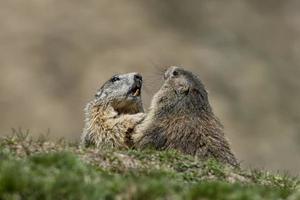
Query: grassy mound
[[40, 169]]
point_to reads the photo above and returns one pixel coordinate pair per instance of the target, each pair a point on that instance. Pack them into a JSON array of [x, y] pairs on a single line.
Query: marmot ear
[[202, 97], [98, 94], [100, 91]]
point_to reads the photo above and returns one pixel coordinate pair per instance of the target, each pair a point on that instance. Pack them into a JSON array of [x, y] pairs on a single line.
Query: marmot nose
[[138, 77]]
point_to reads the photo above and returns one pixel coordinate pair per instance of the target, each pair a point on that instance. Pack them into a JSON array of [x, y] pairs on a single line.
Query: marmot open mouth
[[135, 91]]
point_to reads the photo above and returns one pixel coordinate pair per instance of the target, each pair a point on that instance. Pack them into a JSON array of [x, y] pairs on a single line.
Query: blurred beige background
[[54, 54]]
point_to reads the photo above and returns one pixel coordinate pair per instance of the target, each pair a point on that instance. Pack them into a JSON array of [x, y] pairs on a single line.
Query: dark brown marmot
[[181, 118]]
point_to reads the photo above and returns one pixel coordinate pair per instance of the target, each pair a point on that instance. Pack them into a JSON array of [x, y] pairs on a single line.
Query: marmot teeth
[[137, 93]]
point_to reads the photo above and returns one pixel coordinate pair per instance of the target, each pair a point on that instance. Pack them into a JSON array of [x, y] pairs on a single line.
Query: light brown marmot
[[114, 112], [181, 118]]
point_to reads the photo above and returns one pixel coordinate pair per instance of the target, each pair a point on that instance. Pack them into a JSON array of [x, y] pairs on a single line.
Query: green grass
[[39, 169]]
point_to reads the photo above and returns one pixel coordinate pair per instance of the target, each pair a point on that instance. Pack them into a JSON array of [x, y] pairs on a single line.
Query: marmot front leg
[[130, 120]]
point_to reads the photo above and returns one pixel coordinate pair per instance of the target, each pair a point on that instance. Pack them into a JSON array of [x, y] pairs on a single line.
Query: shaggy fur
[[117, 108], [181, 118]]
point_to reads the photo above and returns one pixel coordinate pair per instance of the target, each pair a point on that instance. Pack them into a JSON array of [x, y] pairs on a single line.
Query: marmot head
[[181, 92], [122, 92]]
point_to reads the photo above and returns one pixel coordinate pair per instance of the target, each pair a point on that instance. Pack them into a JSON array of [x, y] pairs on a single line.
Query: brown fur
[[107, 129], [181, 118], [113, 114]]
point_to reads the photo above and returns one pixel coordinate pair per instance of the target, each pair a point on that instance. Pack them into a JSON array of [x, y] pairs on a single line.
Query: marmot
[[114, 112], [181, 118]]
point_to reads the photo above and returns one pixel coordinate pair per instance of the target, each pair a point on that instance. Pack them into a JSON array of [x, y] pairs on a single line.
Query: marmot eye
[[175, 73], [114, 79]]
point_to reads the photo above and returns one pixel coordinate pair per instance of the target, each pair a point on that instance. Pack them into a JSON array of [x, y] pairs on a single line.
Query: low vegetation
[[40, 169]]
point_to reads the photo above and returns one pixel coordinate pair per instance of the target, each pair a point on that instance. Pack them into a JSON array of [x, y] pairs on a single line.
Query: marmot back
[[181, 118], [114, 112]]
